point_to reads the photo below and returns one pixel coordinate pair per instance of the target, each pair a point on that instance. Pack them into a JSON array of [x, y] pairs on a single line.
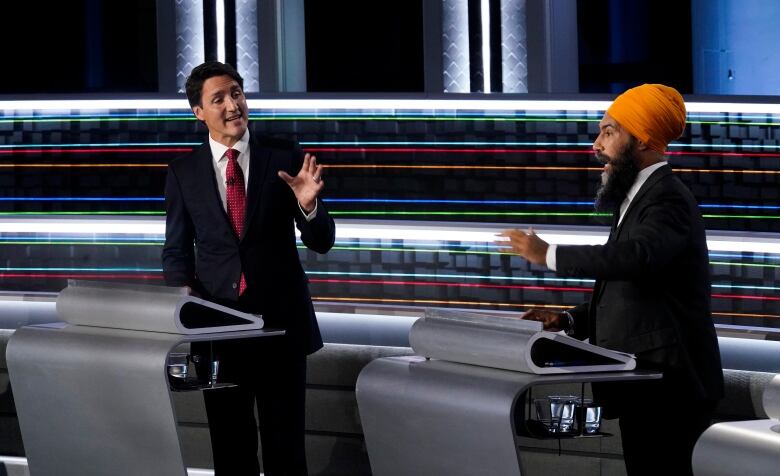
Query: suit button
[[235, 285]]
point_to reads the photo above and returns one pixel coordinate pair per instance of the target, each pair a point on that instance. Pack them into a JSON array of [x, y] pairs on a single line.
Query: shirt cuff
[[550, 257], [311, 215]]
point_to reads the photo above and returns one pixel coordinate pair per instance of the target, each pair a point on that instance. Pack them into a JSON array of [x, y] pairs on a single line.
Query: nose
[[231, 103], [597, 145]]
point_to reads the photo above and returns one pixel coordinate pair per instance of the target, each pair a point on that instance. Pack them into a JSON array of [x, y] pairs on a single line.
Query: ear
[[198, 111], [641, 146]]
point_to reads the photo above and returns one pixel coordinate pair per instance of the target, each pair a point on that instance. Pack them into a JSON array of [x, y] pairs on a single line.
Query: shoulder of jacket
[[277, 143], [186, 158]]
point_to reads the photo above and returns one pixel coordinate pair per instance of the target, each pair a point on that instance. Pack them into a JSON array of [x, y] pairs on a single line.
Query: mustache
[[602, 158]]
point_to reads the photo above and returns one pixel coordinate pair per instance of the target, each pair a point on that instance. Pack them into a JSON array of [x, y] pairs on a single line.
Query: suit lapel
[[649, 183], [208, 182], [259, 158], [614, 232]]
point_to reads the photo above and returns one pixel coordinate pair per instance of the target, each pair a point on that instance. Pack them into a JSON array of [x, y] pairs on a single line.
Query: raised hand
[[307, 184], [527, 245]]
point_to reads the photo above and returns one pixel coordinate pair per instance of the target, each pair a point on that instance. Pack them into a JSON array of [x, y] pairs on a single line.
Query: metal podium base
[[437, 418], [96, 401]]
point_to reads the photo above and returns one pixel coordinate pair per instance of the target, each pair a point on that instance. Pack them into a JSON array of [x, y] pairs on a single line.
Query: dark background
[[351, 45]]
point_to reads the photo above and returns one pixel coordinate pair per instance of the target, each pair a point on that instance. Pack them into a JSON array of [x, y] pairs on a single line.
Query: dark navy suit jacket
[[202, 250], [652, 291]]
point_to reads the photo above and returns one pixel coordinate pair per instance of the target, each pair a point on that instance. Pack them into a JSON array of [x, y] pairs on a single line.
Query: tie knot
[[232, 154]]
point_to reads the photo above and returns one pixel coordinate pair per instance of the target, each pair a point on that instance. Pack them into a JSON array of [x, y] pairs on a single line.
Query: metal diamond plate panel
[[247, 51], [514, 54], [455, 46], [190, 50]]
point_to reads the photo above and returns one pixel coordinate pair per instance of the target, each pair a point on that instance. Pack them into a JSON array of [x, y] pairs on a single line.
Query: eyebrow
[[608, 125]]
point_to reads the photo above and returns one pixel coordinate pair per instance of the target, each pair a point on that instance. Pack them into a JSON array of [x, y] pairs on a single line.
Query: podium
[[456, 410], [742, 447], [92, 394]]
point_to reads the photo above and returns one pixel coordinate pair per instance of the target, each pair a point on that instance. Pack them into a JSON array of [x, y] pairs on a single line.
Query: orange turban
[[653, 113]]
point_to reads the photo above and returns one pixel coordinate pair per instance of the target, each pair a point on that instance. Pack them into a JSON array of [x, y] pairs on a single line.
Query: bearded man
[[652, 291]]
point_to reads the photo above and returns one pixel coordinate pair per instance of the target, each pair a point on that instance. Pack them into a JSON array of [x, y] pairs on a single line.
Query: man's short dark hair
[[201, 73]]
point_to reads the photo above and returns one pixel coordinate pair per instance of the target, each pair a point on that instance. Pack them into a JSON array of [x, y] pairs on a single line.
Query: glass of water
[[178, 365], [562, 410]]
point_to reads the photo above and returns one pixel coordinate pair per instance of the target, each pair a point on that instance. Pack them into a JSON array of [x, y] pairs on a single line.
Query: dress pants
[[660, 422], [267, 373]]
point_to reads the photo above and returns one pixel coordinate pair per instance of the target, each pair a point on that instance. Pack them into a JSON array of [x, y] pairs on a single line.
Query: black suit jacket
[[202, 250], [652, 291]]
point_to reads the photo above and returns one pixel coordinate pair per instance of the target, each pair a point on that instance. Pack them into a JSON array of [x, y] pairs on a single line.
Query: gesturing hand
[[307, 184], [527, 245]]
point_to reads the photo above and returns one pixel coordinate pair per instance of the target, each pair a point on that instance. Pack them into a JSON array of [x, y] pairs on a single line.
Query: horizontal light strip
[[552, 168], [82, 199], [582, 151], [340, 104], [435, 301], [79, 276], [520, 144], [503, 286], [148, 147], [355, 114], [393, 230], [504, 278], [391, 275], [65, 166], [490, 303]]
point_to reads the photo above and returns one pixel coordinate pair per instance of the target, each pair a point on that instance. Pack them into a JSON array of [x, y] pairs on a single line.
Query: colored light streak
[[580, 151], [449, 285], [82, 199], [375, 104], [63, 166], [71, 269], [436, 301], [118, 146], [465, 214], [507, 286], [550, 168], [404, 231], [376, 200], [372, 114], [452, 276], [356, 143], [86, 213], [760, 121], [80, 276], [740, 314], [490, 304]]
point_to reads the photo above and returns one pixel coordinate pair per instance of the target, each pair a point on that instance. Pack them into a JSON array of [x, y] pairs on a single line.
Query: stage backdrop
[[418, 188]]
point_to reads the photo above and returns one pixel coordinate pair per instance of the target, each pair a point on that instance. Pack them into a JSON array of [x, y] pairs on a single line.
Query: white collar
[[218, 150], [641, 178]]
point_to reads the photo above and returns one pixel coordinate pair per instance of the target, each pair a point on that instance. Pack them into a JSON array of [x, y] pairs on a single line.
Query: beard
[[616, 182]]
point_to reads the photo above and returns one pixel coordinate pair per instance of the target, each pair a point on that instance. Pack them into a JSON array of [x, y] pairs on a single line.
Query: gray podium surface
[[96, 401], [93, 395], [434, 417], [737, 447]]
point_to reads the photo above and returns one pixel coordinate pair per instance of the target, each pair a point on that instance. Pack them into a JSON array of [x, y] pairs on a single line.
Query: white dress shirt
[[220, 169], [640, 180]]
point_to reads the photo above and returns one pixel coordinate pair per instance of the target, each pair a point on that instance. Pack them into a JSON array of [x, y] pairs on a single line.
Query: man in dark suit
[[231, 204], [652, 291]]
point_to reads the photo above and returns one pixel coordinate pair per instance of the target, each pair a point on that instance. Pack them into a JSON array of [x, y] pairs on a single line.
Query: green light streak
[[82, 213], [443, 213], [365, 118]]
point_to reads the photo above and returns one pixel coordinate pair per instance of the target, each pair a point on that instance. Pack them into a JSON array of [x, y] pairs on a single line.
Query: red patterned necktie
[[236, 200]]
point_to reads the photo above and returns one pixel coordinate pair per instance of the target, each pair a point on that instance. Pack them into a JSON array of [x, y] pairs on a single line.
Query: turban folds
[[653, 113]]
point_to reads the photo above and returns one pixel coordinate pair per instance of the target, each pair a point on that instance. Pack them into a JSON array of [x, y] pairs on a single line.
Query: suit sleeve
[[319, 234], [660, 233], [178, 258], [580, 316]]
